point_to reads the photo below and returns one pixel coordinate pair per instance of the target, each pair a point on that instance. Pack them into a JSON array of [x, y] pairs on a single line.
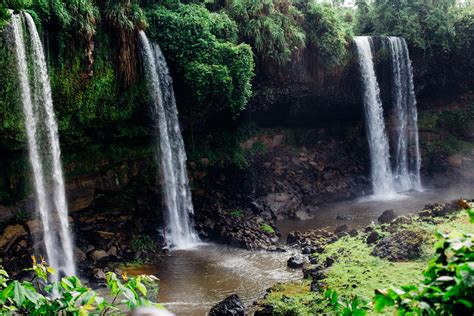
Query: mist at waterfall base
[[405, 176], [43, 145], [171, 154]]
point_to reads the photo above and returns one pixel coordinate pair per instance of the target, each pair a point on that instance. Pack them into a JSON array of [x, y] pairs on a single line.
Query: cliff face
[[306, 93], [311, 141]]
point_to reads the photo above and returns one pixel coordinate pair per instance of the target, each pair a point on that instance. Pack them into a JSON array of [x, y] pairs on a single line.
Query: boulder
[[231, 306], [303, 215], [387, 217], [97, 255], [402, 220], [353, 232], [34, 226], [372, 238], [11, 234], [340, 230], [316, 273], [454, 161], [343, 217], [296, 262], [402, 245]]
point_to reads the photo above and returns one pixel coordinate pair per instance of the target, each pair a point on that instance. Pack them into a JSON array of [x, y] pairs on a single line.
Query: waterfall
[[407, 151], [43, 146], [382, 178], [177, 195]]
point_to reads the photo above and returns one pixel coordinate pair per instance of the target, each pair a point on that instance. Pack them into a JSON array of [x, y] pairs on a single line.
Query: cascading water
[[407, 159], [177, 195], [382, 178], [43, 147]]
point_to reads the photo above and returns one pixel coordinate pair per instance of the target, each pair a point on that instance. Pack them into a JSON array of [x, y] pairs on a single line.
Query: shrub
[[448, 287], [273, 28], [328, 33], [143, 243], [69, 296]]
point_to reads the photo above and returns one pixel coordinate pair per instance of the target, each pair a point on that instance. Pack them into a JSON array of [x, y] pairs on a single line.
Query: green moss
[[357, 272], [267, 229], [294, 298], [237, 213]]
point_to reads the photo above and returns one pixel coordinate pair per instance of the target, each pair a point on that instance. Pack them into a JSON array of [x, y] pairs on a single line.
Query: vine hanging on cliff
[[125, 17]]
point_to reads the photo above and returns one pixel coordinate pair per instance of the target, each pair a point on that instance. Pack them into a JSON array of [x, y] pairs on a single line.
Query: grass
[[294, 298], [356, 272]]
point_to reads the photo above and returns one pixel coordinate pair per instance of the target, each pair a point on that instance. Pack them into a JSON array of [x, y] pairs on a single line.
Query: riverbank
[[389, 254]]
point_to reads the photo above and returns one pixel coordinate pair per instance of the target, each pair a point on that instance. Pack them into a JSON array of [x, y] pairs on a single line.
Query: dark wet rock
[[265, 310], [302, 215], [344, 217], [306, 250], [425, 213], [318, 286], [316, 239], [373, 237], [99, 274], [98, 255], [313, 260], [341, 228], [249, 232], [387, 217], [402, 220], [402, 245], [329, 262], [296, 262], [10, 235], [315, 273], [231, 306], [353, 232], [439, 210]]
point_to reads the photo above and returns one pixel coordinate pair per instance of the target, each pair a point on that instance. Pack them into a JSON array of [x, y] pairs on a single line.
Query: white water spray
[[382, 178], [177, 195], [44, 152]]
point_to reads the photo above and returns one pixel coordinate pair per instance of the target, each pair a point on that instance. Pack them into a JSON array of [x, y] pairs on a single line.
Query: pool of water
[[192, 281], [363, 211]]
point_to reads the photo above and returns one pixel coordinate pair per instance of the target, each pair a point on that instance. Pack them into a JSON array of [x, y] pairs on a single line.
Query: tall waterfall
[[407, 151], [177, 195], [382, 178], [43, 146]]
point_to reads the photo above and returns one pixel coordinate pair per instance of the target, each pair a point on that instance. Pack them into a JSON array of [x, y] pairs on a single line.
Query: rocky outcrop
[[387, 217], [315, 240], [402, 245], [240, 230], [439, 210], [10, 235], [231, 306], [296, 262]]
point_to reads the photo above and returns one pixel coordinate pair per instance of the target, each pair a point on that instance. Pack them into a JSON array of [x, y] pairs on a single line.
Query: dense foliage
[[273, 28], [328, 33], [441, 30], [448, 287], [69, 296], [201, 47], [279, 30]]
